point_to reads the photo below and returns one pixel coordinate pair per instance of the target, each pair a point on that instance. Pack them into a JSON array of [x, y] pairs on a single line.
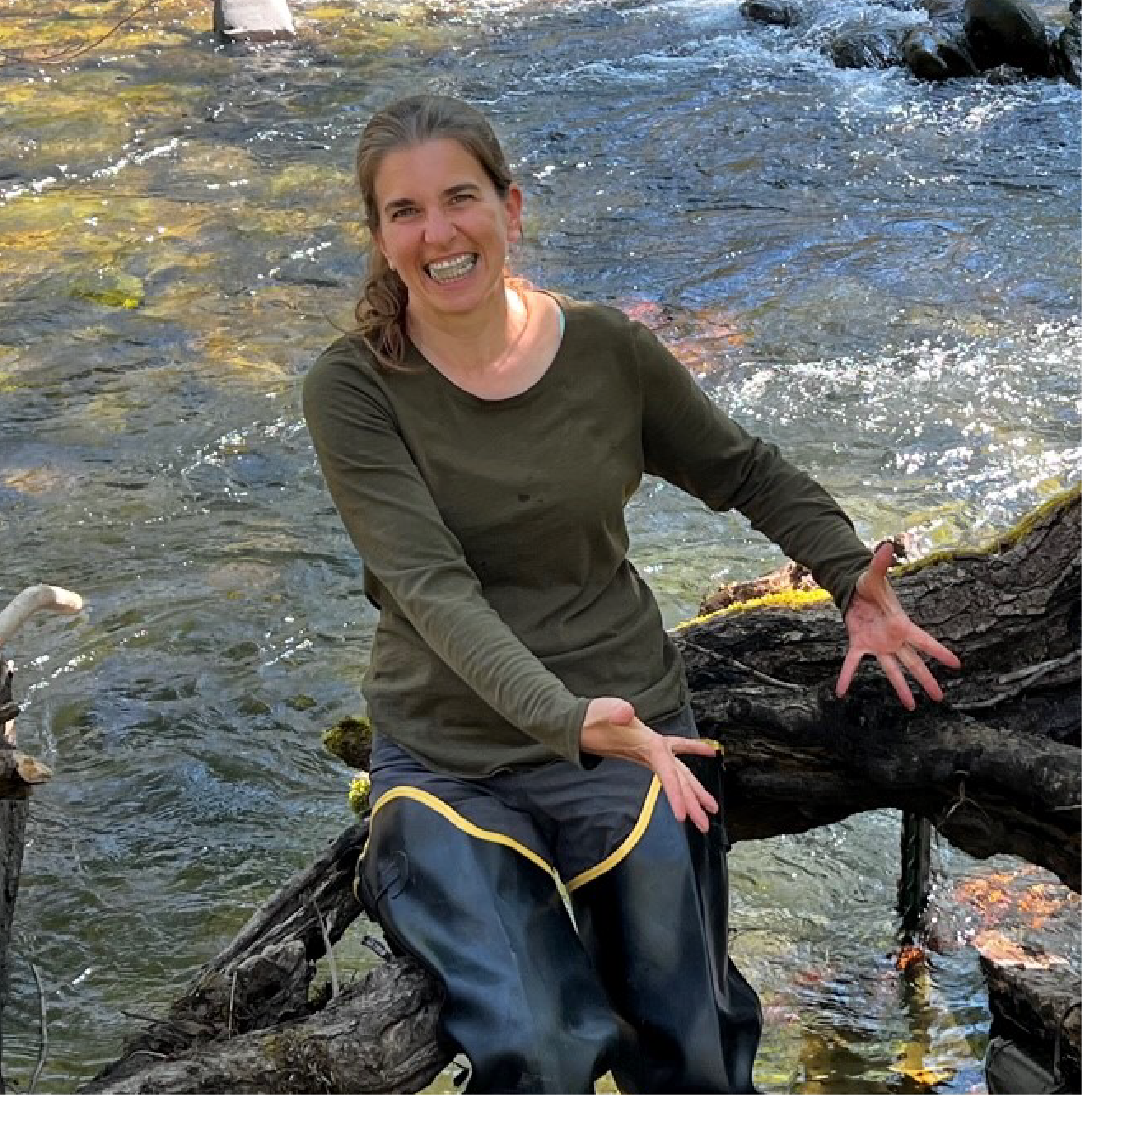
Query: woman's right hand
[[613, 730]]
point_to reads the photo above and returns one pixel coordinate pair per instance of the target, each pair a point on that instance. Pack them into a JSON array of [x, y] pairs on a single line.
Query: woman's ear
[[513, 204]]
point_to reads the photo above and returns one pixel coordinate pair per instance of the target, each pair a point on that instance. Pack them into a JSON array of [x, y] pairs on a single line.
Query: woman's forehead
[[433, 165]]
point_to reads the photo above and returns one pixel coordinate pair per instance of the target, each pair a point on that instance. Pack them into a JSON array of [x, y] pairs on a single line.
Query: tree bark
[[376, 1036], [996, 768]]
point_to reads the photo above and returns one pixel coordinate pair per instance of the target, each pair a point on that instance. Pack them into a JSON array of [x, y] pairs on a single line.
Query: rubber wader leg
[[522, 1002], [656, 926]]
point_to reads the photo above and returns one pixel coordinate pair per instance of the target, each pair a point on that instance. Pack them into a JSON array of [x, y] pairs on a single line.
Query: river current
[[880, 275]]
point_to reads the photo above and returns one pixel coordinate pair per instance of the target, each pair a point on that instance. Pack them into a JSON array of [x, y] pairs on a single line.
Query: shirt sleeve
[[696, 446], [395, 526]]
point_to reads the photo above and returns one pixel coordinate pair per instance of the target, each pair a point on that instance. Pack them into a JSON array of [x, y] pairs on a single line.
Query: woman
[[480, 440]]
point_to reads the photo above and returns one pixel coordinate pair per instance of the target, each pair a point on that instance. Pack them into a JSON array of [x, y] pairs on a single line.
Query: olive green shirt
[[493, 536]]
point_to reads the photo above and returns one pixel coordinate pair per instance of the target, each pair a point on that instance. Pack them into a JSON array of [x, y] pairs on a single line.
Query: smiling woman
[[442, 217], [481, 440]]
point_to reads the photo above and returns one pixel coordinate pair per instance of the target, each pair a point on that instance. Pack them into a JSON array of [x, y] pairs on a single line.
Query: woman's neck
[[478, 343], [524, 347]]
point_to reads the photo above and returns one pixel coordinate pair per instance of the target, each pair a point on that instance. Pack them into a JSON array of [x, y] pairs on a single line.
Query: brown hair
[[381, 312]]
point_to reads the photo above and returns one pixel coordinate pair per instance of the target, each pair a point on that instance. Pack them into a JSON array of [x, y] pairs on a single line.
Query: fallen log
[[377, 1036], [996, 768]]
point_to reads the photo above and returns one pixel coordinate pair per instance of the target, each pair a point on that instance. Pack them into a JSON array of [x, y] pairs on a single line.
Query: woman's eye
[[403, 212]]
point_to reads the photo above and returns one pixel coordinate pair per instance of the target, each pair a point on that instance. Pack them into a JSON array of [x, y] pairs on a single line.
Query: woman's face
[[444, 228]]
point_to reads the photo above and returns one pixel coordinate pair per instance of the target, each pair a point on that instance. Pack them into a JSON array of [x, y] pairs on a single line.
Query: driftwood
[[18, 772], [996, 768]]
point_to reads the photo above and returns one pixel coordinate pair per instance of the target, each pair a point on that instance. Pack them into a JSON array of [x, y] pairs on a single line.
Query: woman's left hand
[[877, 625], [612, 729]]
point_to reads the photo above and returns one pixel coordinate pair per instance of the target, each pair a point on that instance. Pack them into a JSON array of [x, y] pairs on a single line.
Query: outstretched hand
[[612, 729], [877, 625]]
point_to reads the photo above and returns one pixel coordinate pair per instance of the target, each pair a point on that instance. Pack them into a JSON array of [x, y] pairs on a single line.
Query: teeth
[[450, 268]]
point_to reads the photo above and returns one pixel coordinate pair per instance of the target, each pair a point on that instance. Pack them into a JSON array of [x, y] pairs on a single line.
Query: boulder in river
[[862, 45], [771, 12], [1067, 52], [1007, 32], [934, 53]]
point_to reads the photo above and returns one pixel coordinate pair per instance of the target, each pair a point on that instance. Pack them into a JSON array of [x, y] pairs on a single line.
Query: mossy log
[[996, 767]]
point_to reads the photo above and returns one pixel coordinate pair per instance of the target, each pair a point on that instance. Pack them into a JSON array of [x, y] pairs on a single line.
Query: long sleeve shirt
[[493, 537]]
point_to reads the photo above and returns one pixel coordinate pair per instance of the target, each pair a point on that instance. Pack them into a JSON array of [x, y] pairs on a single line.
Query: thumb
[[616, 711], [880, 564]]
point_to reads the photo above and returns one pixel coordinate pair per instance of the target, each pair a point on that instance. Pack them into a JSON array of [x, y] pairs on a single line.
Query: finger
[[928, 645], [893, 672], [699, 790], [696, 812], [692, 746], [871, 582], [883, 559], [912, 661], [606, 711], [846, 675], [672, 786]]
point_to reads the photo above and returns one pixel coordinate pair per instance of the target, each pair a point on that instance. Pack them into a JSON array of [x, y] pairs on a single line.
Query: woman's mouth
[[450, 269]]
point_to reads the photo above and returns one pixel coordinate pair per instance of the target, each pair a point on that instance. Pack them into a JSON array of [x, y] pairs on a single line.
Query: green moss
[[1003, 542], [358, 793], [109, 287], [351, 741]]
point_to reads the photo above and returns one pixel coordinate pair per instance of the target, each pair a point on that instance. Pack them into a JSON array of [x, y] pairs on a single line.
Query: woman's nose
[[437, 227]]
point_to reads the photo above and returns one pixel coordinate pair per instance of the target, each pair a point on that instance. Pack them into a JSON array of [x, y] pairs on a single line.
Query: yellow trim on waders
[[626, 847], [456, 819]]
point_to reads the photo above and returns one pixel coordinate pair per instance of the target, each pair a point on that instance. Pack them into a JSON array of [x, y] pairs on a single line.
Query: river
[[882, 276]]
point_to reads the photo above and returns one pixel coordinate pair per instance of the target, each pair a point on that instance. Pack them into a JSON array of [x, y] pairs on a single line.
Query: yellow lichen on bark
[[793, 598]]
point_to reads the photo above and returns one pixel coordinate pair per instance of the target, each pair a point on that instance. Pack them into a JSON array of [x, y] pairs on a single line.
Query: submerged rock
[[1007, 32], [1003, 75], [769, 12], [941, 8], [108, 287]]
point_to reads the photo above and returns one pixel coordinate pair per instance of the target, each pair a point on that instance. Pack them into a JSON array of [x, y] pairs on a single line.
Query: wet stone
[[253, 20]]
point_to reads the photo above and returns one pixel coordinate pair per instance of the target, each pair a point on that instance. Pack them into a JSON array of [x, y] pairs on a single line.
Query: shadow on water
[[881, 276]]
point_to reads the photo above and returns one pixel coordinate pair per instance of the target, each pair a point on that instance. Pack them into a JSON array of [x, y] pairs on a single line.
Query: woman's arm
[[694, 445], [396, 527]]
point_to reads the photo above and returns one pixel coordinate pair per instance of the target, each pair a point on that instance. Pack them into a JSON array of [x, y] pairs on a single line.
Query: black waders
[[656, 927], [522, 1001], [461, 875]]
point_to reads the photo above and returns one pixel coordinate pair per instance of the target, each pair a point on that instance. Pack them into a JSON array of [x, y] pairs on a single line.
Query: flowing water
[[881, 275]]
